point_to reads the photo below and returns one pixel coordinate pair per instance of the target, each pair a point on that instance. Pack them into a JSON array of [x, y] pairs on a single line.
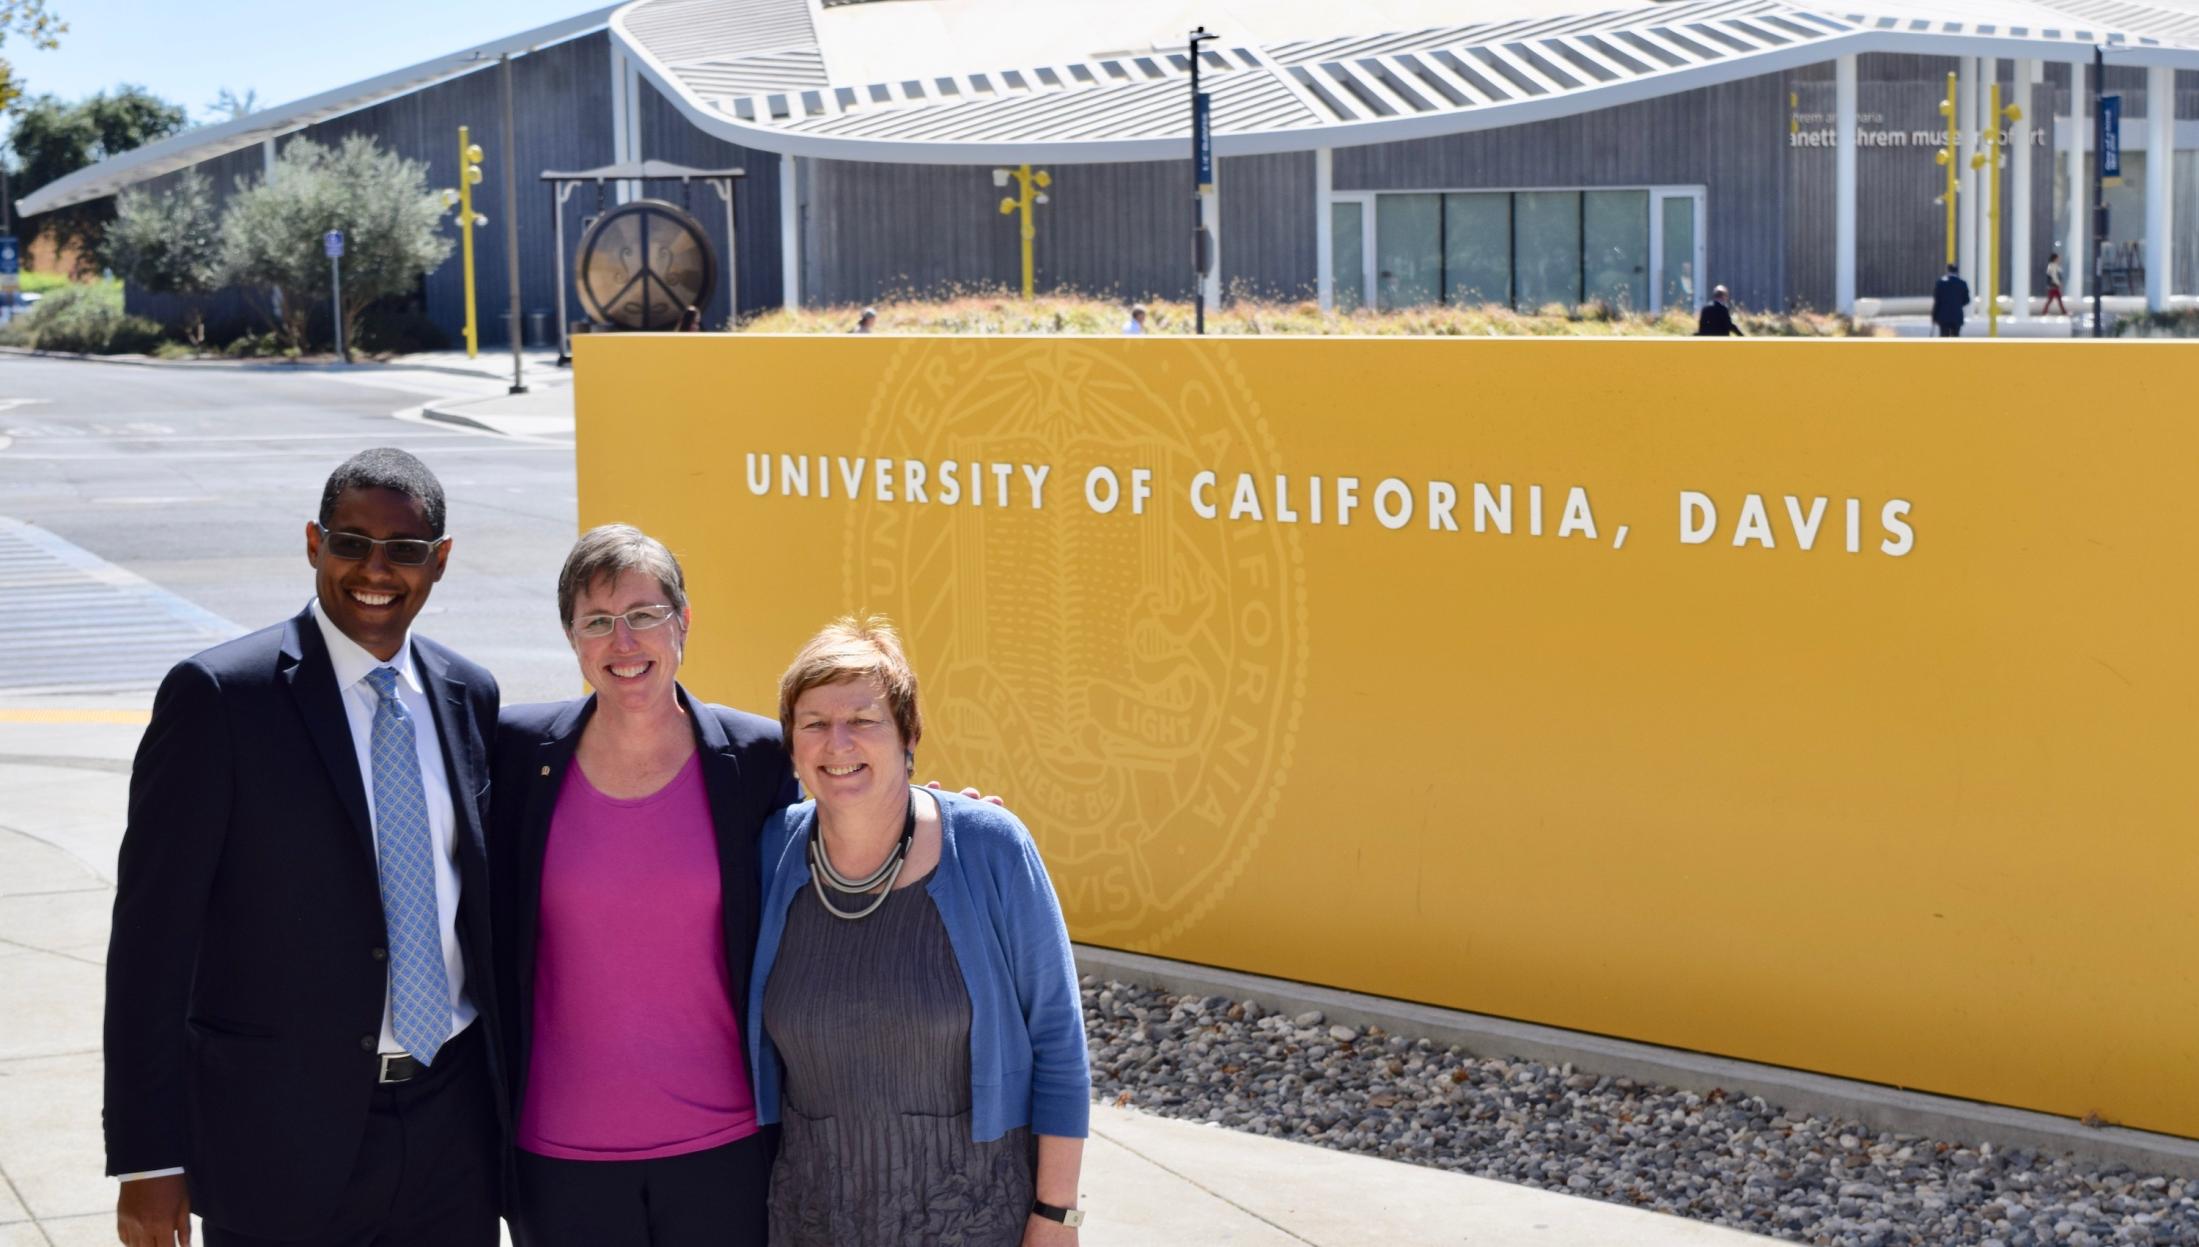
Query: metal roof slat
[[1600, 67], [1517, 62], [1495, 86], [1340, 104], [1565, 79], [1440, 75], [1377, 96], [1397, 81], [1631, 63]]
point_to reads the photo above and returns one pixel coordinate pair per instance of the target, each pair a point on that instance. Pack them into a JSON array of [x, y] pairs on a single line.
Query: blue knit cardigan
[[1028, 1064]]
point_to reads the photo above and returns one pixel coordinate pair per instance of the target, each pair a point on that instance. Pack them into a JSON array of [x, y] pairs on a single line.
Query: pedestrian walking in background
[[2054, 286], [1950, 300], [1717, 318], [1136, 323], [690, 320], [864, 322]]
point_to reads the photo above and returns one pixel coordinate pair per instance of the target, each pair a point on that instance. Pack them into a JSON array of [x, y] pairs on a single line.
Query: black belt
[[401, 1067]]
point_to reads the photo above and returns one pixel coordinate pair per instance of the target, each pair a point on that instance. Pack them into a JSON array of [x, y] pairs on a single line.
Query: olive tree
[[169, 242], [272, 228]]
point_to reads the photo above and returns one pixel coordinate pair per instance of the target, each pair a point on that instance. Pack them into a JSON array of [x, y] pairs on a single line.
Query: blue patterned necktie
[[419, 991]]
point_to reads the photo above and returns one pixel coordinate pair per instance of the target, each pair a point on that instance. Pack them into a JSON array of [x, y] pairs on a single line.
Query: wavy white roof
[[979, 81], [1063, 81]]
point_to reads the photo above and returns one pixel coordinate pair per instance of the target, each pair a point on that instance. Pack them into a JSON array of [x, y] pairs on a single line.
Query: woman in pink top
[[623, 839]]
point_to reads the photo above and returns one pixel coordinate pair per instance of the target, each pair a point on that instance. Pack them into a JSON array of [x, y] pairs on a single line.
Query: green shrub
[[2181, 323], [83, 319], [254, 345], [991, 312], [40, 283]]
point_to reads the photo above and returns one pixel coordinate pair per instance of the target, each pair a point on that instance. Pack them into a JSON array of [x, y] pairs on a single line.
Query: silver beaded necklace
[[822, 874]]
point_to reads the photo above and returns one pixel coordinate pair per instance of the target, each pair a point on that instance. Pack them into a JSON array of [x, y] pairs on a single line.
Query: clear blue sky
[[284, 49]]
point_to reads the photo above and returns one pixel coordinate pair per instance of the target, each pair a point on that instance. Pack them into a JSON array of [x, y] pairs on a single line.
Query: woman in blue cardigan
[[922, 1040]]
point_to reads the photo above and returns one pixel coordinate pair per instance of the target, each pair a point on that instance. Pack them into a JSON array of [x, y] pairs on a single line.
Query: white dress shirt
[[352, 664]]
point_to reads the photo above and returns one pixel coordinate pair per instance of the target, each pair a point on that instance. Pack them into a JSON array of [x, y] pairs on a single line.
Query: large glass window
[[1408, 249], [1347, 225], [1546, 248], [1615, 248], [1633, 248], [1477, 249], [1676, 239]]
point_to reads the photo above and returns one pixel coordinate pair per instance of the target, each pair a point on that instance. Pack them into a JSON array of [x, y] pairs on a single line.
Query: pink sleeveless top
[[636, 1051]]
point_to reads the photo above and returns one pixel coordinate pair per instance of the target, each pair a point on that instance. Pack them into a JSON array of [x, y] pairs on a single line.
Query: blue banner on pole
[[2111, 136], [11, 256], [1202, 137], [333, 243]]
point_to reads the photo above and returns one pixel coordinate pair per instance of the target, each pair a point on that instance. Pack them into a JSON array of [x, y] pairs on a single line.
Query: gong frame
[[631, 177]]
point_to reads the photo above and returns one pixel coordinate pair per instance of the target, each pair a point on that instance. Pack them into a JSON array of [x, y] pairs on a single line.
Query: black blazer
[[747, 774], [1716, 321], [247, 971], [1950, 299]]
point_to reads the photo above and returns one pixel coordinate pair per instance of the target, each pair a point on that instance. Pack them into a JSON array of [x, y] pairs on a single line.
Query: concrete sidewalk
[[64, 773], [544, 411]]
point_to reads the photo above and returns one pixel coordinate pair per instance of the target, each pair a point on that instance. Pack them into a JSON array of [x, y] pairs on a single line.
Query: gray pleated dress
[[872, 1022]]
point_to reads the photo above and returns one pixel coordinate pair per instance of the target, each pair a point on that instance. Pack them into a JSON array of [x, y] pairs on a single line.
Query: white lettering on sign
[[1758, 521]]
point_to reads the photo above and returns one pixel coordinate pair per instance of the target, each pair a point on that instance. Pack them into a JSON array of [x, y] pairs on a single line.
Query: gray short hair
[[607, 552]]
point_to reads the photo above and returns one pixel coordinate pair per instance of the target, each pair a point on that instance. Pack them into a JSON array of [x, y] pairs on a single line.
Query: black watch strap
[[1067, 1216]]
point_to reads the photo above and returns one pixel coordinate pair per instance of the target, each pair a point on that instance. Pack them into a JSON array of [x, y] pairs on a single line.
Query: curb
[[431, 411], [1881, 1108]]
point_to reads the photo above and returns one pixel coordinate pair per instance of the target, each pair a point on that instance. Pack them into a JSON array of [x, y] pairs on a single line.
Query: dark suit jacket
[[247, 969], [745, 771], [1950, 299], [1716, 322]]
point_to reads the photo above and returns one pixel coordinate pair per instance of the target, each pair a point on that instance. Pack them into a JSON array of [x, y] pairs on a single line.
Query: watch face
[[1073, 1218]]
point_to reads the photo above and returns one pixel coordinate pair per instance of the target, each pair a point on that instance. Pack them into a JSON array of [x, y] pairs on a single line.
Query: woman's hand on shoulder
[[1041, 1231], [973, 794]]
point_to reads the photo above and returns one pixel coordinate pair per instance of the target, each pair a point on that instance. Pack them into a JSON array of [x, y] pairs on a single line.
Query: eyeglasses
[[639, 619], [357, 547]]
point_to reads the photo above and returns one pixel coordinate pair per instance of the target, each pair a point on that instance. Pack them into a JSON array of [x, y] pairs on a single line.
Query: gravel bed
[[1730, 1160]]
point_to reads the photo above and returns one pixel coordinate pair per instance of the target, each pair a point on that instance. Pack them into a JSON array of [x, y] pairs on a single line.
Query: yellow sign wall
[[1830, 704]]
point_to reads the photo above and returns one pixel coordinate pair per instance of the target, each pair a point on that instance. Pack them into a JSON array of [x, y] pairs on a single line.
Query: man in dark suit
[[1950, 300], [298, 979], [1717, 318]]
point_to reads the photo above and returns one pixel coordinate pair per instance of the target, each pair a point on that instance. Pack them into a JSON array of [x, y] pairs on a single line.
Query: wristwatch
[[1071, 1217]]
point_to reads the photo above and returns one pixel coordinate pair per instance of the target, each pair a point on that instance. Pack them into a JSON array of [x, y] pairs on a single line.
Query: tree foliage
[[31, 20], [53, 138], [168, 242], [271, 231]]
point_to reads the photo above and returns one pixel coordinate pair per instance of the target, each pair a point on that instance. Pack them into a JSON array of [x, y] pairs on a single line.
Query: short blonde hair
[[846, 649]]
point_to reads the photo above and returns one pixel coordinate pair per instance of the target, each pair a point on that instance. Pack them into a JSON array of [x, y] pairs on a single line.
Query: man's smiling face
[[373, 600]]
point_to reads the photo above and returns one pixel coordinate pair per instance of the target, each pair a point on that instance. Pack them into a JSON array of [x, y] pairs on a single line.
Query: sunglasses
[[357, 547]]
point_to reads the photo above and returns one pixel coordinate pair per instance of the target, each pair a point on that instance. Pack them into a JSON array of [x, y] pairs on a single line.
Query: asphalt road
[[202, 480]]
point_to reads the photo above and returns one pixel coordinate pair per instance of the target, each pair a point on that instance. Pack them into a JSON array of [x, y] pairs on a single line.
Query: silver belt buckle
[[385, 1059]]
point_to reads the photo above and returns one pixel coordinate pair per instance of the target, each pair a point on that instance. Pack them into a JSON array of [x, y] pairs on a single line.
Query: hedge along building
[[1393, 153]]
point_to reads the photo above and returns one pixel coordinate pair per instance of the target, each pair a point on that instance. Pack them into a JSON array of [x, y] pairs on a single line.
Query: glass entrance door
[[1677, 257]]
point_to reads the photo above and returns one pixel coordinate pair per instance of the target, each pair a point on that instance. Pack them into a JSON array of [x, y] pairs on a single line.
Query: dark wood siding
[[1730, 139], [667, 135], [561, 111]]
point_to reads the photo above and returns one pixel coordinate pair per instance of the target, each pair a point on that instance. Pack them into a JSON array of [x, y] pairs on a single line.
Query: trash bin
[[538, 327]]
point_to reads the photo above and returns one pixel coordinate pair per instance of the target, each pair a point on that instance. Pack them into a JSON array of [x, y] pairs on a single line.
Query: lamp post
[[469, 176], [2099, 180], [1030, 189], [1202, 180], [1946, 158], [1991, 160]]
